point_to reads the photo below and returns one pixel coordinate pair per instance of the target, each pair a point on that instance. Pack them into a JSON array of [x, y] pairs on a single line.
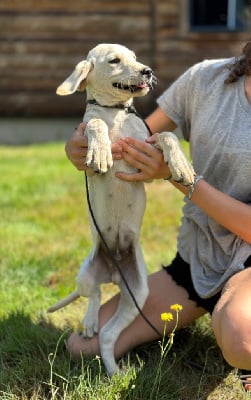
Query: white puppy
[[112, 76]]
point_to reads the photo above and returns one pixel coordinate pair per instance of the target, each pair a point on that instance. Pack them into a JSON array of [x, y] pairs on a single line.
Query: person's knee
[[237, 353], [233, 334]]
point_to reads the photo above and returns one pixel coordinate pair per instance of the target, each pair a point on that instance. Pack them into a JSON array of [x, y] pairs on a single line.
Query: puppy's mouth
[[131, 88]]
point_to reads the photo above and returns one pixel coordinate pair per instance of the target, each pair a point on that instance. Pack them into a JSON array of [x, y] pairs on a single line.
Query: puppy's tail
[[62, 303]]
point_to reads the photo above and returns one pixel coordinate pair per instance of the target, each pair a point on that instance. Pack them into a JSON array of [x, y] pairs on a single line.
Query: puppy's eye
[[114, 61]]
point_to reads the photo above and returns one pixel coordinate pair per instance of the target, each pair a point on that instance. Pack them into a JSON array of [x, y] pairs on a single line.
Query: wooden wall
[[42, 40]]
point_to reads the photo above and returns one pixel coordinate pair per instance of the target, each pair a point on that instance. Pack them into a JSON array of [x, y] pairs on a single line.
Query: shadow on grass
[[192, 369], [26, 354], [35, 365]]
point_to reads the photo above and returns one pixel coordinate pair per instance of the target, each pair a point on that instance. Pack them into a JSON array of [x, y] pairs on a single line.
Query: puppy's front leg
[[181, 169], [99, 155]]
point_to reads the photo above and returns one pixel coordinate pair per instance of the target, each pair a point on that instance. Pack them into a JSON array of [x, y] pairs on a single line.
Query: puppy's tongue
[[142, 85]]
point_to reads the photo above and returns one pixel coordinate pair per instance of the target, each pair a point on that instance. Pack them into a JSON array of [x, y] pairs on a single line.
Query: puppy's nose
[[147, 71]]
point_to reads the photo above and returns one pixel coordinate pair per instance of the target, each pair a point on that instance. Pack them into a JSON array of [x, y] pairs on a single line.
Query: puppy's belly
[[118, 208], [120, 240]]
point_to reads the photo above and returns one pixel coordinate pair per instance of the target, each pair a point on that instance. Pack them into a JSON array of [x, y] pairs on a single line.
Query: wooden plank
[[73, 48], [30, 82], [39, 104], [86, 6], [169, 8], [21, 47], [69, 27], [192, 49]]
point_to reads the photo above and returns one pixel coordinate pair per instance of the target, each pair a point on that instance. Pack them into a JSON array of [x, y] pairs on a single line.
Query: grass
[[44, 235]]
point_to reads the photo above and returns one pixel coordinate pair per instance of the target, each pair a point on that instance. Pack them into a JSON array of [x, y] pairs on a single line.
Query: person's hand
[[145, 158], [76, 147]]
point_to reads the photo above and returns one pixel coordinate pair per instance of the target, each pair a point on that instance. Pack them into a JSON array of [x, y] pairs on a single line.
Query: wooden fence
[[42, 40]]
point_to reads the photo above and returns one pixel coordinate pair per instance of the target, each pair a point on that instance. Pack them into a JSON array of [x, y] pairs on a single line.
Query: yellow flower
[[166, 316], [176, 307]]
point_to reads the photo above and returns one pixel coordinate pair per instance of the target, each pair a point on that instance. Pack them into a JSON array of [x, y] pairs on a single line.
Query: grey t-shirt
[[216, 119]]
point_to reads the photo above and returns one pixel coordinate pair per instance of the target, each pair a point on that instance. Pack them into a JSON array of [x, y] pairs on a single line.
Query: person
[[211, 104]]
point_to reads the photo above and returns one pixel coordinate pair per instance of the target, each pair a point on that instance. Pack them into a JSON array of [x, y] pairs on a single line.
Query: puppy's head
[[110, 74]]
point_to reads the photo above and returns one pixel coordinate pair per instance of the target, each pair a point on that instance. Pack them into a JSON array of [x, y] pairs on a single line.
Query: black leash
[[115, 262], [130, 109]]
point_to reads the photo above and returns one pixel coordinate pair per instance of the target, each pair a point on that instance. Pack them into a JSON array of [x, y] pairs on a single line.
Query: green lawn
[[44, 235]]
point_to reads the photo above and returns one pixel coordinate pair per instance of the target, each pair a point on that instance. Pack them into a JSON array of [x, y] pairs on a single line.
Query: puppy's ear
[[77, 80]]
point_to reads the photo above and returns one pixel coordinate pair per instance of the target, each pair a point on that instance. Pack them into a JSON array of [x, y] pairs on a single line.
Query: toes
[[246, 382], [184, 179]]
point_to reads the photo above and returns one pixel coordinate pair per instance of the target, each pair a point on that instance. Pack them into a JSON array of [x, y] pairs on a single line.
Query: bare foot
[[246, 382], [77, 346]]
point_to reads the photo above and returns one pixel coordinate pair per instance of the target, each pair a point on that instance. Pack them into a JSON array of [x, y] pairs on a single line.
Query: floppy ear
[[77, 80]]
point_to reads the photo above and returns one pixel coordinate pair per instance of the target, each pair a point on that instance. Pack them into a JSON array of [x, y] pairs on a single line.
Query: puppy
[[112, 77]]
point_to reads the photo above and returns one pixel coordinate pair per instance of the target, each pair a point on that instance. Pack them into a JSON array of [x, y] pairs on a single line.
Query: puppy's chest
[[131, 125], [120, 123]]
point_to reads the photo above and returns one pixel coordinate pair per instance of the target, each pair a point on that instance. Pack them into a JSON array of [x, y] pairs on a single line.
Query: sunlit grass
[[44, 236]]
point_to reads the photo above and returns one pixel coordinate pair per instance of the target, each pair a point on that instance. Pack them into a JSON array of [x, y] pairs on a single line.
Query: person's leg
[[231, 320], [163, 292]]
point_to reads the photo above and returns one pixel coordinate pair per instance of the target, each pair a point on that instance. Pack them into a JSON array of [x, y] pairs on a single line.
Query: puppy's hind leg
[[90, 321], [93, 272], [124, 315]]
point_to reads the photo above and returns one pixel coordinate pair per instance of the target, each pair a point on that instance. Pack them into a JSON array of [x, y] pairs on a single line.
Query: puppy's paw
[[181, 169], [99, 154], [90, 327]]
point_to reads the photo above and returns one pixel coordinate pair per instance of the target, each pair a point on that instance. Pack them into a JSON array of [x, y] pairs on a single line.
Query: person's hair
[[241, 66]]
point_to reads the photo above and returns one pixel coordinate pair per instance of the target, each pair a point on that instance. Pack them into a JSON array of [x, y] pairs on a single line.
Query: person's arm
[[158, 121], [225, 210], [233, 214]]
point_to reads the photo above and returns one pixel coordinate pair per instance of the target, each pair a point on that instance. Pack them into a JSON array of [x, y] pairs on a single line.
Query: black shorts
[[180, 272]]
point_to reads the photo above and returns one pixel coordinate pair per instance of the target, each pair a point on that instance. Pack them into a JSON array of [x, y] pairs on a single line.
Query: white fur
[[118, 206]]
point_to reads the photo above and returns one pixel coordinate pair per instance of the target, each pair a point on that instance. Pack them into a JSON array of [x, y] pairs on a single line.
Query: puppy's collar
[[129, 109]]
